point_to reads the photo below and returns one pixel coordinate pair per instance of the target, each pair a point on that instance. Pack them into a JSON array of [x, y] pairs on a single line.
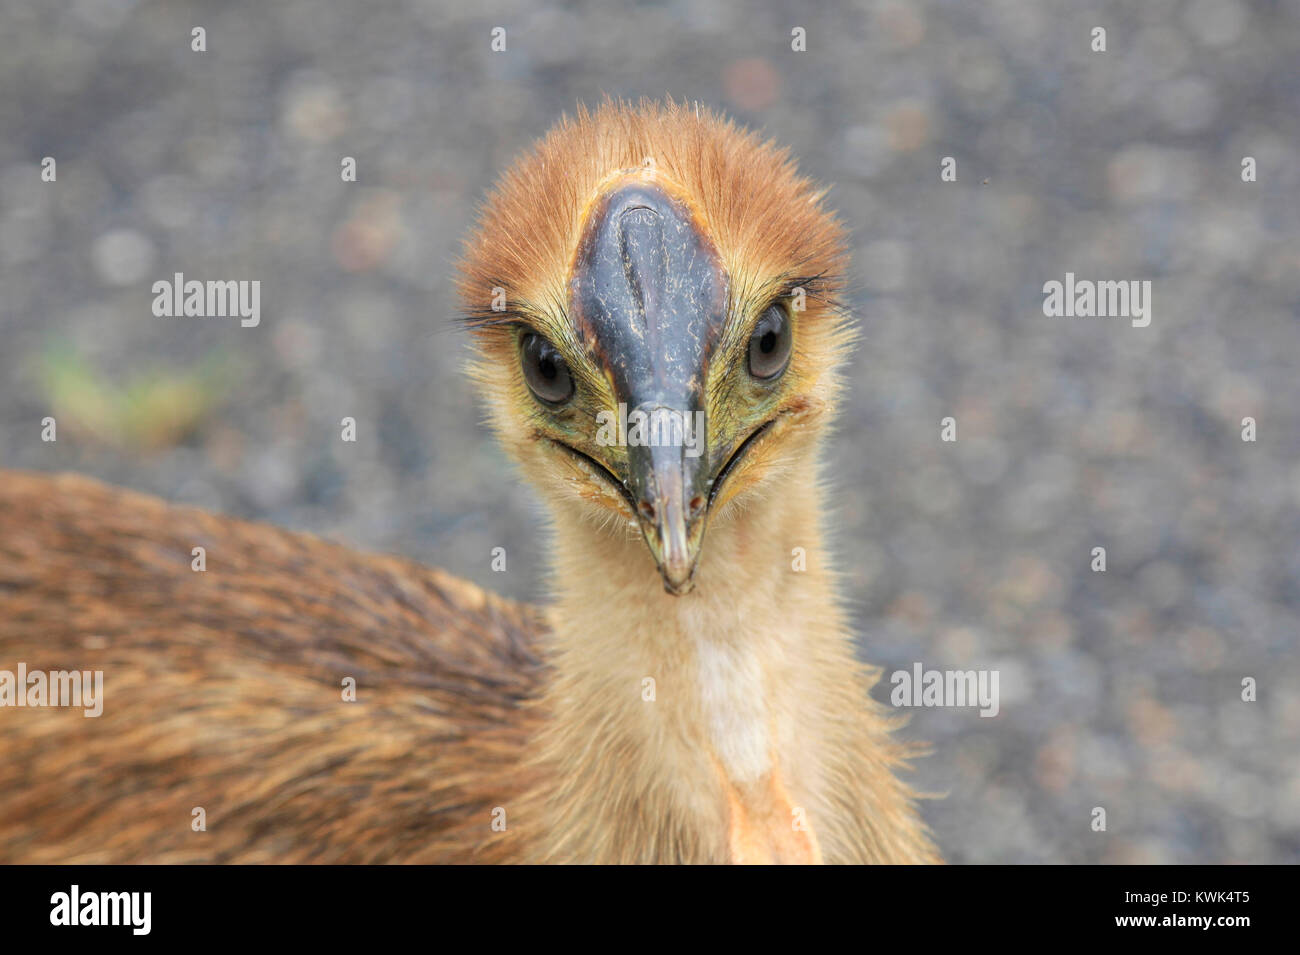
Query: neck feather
[[689, 707]]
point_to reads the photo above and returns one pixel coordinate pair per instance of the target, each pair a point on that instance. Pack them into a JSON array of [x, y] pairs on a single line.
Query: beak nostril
[[647, 510], [697, 505]]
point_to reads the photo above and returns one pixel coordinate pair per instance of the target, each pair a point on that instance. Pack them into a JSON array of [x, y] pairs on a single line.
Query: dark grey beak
[[650, 295]]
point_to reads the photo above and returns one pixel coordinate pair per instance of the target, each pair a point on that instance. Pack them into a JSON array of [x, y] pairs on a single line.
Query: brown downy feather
[[223, 688], [222, 691]]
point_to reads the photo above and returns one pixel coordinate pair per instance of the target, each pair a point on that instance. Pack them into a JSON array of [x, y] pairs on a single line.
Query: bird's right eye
[[769, 346], [545, 370]]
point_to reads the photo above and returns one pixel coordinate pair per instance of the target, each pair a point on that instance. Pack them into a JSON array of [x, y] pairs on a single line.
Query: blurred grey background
[[1119, 690]]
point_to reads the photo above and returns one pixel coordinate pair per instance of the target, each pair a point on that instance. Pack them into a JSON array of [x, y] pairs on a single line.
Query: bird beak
[[672, 497], [649, 296]]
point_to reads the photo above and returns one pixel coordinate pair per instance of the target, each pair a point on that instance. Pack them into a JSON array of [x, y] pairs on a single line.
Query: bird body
[[678, 700], [223, 690]]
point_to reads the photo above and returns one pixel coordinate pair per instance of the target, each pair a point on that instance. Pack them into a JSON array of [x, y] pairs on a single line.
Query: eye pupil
[[547, 368], [767, 343]]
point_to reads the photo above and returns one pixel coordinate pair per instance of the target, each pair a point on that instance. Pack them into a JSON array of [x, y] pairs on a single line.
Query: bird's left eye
[[769, 346], [545, 370]]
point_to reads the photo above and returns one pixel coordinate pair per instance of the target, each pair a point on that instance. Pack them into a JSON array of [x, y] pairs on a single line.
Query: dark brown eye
[[545, 371], [769, 346]]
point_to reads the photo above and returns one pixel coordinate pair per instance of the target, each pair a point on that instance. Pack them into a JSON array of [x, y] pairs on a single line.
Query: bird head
[[652, 298]]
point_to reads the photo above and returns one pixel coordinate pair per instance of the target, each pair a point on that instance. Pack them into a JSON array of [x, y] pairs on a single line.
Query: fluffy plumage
[[622, 724], [223, 690]]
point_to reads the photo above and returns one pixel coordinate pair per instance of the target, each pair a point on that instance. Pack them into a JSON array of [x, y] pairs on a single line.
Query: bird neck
[[708, 703]]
